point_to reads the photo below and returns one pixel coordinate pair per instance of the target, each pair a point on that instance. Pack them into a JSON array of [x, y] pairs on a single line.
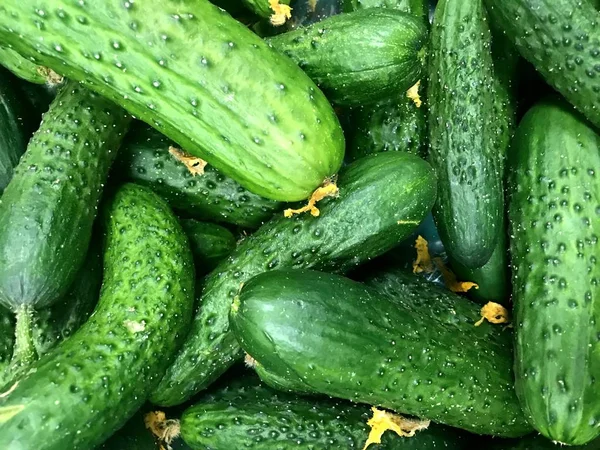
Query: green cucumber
[[382, 199], [560, 38], [360, 57], [553, 215], [210, 244], [90, 384], [21, 67], [247, 414], [262, 8], [466, 147], [145, 159], [408, 346], [229, 98]]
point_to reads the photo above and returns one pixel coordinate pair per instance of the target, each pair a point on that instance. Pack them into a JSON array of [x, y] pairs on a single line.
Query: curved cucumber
[[210, 244], [91, 383], [413, 349], [145, 159], [553, 216], [229, 98], [465, 144], [360, 57], [254, 416], [382, 199]]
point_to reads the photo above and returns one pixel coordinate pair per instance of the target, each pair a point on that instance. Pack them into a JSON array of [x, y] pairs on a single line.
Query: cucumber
[[560, 39], [20, 66], [466, 147], [419, 8], [90, 384], [145, 159], [262, 8], [281, 139], [412, 348], [382, 198], [360, 57], [553, 216], [210, 244], [252, 415]]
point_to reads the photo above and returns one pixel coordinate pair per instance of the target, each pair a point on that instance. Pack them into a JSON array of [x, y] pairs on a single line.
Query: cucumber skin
[[553, 215], [465, 146], [210, 244], [261, 7], [413, 349], [560, 38], [102, 374], [48, 209], [360, 57], [20, 66], [144, 159], [398, 186], [281, 143], [256, 416]]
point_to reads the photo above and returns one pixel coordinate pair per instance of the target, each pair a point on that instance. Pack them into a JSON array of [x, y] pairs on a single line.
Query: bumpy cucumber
[[553, 216], [252, 415], [145, 159], [210, 244], [91, 383], [360, 57], [413, 349], [229, 98], [560, 38], [20, 66], [465, 145], [382, 198]]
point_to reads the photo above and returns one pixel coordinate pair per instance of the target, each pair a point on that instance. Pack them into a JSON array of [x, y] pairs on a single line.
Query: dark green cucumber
[[145, 159], [532, 442], [210, 244], [90, 384], [229, 98], [20, 66], [560, 38], [409, 346], [7, 340], [554, 220], [247, 414], [382, 199], [465, 144], [360, 57]]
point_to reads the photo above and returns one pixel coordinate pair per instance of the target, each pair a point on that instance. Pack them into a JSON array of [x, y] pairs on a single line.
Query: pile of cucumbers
[[311, 224]]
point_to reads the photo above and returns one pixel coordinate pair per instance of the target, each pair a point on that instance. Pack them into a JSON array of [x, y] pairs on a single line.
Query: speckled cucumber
[[145, 159], [408, 346], [210, 244], [265, 125], [90, 384], [560, 38], [382, 199], [553, 215], [253, 415], [360, 57], [466, 147]]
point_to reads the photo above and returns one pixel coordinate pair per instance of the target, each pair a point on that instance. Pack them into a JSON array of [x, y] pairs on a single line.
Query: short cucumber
[[554, 229], [145, 159], [408, 346], [90, 384], [229, 98], [210, 244], [466, 147], [382, 199], [360, 57], [560, 38], [248, 414]]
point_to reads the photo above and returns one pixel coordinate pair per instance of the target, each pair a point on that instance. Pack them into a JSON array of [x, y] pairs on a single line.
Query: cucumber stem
[[24, 353]]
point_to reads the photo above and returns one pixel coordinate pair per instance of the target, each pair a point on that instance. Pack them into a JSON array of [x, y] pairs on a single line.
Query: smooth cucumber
[[382, 199], [90, 384], [229, 98], [360, 57], [553, 216], [253, 415], [412, 348], [145, 159], [210, 244], [466, 146], [561, 39]]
